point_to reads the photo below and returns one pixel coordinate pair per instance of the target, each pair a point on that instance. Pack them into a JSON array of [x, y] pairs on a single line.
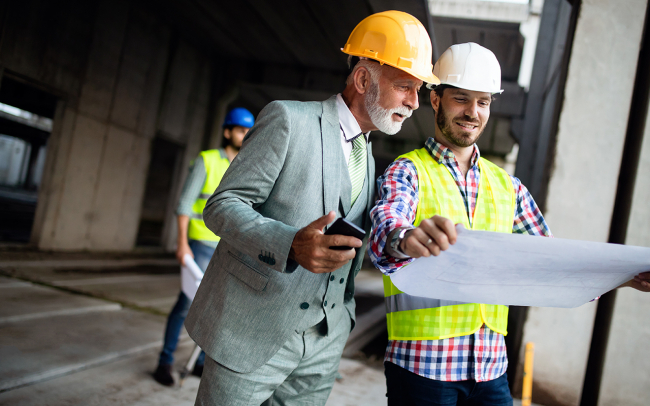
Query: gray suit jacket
[[290, 171]]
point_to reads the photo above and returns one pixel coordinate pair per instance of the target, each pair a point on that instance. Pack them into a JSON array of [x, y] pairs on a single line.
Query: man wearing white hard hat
[[442, 352]]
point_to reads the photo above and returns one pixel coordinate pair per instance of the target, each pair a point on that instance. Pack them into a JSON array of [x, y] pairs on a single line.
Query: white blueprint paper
[[524, 270], [191, 276]]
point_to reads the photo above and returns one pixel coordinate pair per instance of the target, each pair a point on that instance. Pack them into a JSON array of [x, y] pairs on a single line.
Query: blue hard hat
[[239, 116]]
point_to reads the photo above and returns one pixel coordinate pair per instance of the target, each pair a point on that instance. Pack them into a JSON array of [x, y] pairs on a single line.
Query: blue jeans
[[202, 254], [408, 389]]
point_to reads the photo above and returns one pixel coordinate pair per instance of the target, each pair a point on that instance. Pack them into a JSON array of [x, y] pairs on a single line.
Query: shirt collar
[[443, 154], [348, 123]]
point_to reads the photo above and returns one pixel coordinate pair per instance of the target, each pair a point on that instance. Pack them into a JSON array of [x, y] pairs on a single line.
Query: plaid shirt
[[480, 356]]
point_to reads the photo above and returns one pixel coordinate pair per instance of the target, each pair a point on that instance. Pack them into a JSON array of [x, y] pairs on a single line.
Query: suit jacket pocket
[[247, 271]]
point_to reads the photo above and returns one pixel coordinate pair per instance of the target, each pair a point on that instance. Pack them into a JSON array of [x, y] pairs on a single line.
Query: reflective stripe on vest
[[416, 318], [216, 163]]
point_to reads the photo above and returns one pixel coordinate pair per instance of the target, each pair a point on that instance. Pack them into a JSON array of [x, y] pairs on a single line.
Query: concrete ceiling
[[290, 32], [296, 39], [502, 38]]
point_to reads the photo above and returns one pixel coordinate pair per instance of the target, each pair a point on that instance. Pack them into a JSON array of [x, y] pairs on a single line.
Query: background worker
[[442, 352], [194, 238], [276, 305]]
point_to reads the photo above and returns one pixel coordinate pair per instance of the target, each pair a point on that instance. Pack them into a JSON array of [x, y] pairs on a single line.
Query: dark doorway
[[26, 115], [165, 156]]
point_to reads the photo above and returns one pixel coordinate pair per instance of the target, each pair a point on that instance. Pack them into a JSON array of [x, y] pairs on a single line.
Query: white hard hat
[[469, 66]]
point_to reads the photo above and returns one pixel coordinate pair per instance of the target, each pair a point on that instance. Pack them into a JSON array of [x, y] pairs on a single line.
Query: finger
[[414, 243], [436, 234], [447, 227], [338, 240], [321, 222], [327, 265], [336, 256], [434, 248]]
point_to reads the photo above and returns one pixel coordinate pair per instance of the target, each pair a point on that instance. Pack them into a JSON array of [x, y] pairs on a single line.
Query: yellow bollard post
[[527, 389]]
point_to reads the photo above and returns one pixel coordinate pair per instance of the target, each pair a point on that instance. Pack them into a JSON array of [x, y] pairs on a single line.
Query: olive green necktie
[[357, 165]]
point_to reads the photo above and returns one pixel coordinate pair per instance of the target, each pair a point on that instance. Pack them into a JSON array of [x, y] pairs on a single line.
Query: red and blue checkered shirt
[[480, 356]]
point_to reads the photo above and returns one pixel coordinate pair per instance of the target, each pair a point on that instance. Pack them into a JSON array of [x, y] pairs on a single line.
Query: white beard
[[383, 118]]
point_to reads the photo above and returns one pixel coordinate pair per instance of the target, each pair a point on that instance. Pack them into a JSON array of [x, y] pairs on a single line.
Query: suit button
[[332, 277], [342, 280], [261, 258], [304, 305], [333, 304], [271, 261], [325, 303]]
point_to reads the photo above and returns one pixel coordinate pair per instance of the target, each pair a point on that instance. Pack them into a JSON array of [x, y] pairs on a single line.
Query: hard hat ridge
[[239, 116], [469, 66], [394, 38]]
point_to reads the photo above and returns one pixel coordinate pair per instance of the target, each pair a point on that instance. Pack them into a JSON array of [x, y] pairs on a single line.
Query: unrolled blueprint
[[524, 270]]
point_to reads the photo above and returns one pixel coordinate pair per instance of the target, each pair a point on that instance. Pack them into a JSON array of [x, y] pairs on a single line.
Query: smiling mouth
[[467, 126]]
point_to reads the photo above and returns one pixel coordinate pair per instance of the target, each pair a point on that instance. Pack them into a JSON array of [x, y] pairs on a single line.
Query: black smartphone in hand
[[343, 227]]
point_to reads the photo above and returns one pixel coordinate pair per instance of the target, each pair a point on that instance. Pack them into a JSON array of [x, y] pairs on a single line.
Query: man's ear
[[226, 133], [361, 80], [435, 100]]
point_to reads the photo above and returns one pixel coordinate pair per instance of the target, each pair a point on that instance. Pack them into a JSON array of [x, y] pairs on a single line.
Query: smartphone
[[343, 227]]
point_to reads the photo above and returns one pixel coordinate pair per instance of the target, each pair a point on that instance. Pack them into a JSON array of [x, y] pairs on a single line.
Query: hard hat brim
[[432, 86], [430, 80]]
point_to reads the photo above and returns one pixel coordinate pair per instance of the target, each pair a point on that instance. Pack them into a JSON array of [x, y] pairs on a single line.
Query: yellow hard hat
[[397, 39]]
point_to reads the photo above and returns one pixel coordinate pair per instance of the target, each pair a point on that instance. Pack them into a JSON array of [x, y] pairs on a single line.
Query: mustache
[[402, 110], [469, 120]]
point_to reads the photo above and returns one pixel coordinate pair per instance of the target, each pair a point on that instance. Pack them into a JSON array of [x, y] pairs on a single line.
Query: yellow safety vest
[[418, 318], [215, 166]]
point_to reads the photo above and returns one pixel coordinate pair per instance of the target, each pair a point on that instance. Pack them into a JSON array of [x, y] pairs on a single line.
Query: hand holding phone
[[343, 227]]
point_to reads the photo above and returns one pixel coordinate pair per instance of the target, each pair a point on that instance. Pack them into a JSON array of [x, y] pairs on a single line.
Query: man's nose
[[472, 110], [412, 99]]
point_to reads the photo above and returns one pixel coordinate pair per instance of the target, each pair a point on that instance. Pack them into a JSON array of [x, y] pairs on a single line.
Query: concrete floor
[[88, 331]]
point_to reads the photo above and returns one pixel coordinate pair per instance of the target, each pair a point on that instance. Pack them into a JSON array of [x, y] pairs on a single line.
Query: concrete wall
[[583, 182], [123, 77], [627, 376]]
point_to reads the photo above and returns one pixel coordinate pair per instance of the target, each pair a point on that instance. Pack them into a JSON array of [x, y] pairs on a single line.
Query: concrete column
[[100, 153], [626, 374], [583, 181]]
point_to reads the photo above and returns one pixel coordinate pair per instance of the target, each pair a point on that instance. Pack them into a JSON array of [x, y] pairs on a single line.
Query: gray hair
[[373, 67]]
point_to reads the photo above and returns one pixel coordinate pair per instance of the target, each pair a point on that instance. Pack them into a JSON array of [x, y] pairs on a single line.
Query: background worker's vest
[[419, 318], [216, 162]]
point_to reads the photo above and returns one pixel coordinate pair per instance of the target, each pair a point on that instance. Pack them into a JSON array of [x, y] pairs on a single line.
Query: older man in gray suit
[[276, 305]]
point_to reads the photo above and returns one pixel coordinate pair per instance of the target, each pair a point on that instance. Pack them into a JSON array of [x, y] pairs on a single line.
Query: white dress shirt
[[349, 127]]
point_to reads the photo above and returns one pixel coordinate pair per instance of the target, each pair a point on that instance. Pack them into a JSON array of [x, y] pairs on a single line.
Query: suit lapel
[[334, 184]]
